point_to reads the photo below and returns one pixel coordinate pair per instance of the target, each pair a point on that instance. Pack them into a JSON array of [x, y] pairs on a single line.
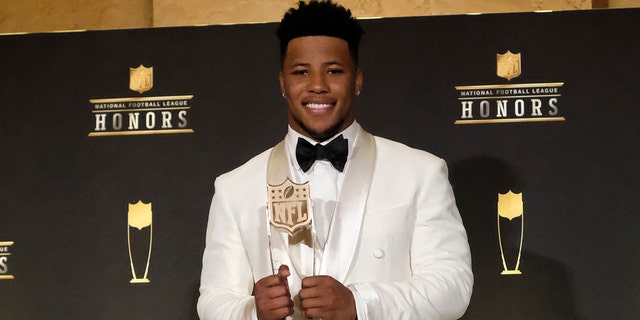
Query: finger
[[275, 310], [283, 271], [281, 305], [309, 303], [315, 281], [282, 313], [269, 281], [312, 313], [309, 293]]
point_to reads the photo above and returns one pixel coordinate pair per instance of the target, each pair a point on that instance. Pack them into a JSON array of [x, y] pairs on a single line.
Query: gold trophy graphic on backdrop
[[140, 217], [510, 206]]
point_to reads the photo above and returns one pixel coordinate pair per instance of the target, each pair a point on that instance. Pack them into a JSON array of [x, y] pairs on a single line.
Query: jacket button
[[378, 253]]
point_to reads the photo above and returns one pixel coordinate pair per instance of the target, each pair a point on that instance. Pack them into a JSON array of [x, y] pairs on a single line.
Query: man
[[387, 241]]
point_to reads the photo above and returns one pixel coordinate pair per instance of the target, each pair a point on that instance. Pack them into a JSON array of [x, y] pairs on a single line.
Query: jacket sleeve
[[441, 282], [226, 281]]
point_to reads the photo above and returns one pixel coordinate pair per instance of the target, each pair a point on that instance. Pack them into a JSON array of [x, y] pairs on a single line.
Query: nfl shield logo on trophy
[[289, 206], [508, 65], [141, 79]]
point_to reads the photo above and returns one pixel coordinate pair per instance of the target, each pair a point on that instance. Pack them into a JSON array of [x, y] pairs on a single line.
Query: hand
[[273, 299], [325, 297]]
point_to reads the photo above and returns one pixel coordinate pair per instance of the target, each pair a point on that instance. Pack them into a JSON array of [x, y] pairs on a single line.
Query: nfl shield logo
[[510, 205], [140, 215], [289, 206], [508, 65], [141, 79]]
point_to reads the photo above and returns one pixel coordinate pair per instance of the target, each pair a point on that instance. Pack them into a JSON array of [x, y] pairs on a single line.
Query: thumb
[[283, 271]]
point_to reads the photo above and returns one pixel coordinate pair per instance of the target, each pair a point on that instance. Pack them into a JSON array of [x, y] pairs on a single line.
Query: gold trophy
[[289, 208], [510, 206], [140, 217]]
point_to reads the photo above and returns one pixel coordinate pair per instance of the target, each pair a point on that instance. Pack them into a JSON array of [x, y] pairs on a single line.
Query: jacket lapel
[[345, 229], [278, 166]]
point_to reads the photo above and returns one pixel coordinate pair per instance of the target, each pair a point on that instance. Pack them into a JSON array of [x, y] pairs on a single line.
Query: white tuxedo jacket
[[396, 238]]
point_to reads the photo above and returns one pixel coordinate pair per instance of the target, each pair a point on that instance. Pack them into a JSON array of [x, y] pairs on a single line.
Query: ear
[[281, 80], [359, 80]]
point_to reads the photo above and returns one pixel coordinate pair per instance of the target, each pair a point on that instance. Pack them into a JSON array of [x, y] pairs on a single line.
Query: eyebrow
[[305, 64]]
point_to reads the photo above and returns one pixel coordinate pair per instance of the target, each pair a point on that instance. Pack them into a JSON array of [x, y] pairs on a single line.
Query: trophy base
[[510, 272], [139, 281]]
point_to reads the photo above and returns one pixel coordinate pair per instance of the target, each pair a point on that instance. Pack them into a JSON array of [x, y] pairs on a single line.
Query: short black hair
[[319, 18]]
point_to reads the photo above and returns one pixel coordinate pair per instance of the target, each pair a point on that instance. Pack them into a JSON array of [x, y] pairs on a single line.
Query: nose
[[318, 83]]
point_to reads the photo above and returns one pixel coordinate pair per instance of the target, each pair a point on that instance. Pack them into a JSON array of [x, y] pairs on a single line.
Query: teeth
[[318, 105]]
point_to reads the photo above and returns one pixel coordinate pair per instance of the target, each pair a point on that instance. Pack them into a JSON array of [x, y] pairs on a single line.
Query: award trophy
[[289, 208], [510, 206], [140, 217]]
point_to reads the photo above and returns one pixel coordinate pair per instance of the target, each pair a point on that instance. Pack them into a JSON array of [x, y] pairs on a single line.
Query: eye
[[335, 71], [299, 72]]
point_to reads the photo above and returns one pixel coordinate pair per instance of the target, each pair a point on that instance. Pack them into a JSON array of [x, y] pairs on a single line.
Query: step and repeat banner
[[111, 141]]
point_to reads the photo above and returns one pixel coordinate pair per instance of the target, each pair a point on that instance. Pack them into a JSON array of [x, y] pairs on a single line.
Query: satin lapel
[[278, 166], [345, 230]]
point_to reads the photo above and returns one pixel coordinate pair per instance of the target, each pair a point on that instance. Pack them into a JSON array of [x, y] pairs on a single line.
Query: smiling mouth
[[318, 105]]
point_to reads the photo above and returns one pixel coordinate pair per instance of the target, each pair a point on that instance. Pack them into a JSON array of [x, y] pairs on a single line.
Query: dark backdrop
[[64, 195]]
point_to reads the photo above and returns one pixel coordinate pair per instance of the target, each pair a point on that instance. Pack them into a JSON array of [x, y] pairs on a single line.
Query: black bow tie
[[335, 151]]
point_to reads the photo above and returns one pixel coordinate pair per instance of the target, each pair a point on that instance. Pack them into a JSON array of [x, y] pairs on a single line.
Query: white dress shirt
[[325, 183]]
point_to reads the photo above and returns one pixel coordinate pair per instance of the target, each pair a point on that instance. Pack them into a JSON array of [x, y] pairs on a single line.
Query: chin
[[320, 133]]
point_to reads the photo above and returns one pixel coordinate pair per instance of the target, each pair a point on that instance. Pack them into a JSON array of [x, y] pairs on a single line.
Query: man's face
[[319, 80]]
